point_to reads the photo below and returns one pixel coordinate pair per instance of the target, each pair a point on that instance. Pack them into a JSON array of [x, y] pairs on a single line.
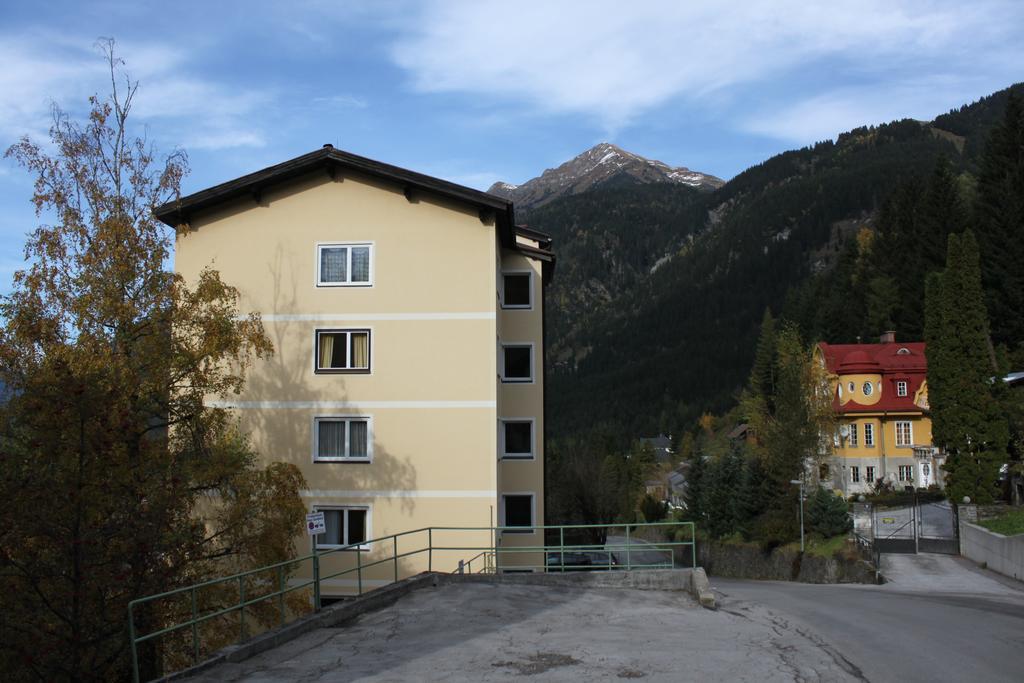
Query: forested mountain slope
[[653, 316]]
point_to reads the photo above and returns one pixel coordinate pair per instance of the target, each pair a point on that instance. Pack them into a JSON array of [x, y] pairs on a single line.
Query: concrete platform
[[497, 631]]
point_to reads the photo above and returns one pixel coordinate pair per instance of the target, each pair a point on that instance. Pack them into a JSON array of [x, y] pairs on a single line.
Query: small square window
[[344, 265], [518, 363], [516, 290], [518, 512], [345, 526], [340, 439], [517, 439], [342, 351]]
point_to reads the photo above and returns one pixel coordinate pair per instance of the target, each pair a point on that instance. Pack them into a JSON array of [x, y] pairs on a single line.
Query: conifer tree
[[967, 419], [1000, 216], [762, 375], [827, 514]]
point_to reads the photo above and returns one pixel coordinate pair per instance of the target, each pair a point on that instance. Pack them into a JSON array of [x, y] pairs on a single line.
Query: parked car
[[581, 561]]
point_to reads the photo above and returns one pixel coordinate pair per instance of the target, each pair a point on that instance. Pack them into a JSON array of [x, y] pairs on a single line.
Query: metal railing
[[637, 553]]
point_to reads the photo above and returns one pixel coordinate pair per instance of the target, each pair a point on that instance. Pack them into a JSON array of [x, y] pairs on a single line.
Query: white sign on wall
[[315, 524]]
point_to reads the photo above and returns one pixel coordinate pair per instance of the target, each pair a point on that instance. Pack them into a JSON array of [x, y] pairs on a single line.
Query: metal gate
[[937, 528], [916, 526]]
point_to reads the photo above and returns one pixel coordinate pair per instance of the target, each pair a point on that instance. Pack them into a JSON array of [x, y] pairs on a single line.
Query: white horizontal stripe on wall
[[398, 493], [360, 317], [349, 405]]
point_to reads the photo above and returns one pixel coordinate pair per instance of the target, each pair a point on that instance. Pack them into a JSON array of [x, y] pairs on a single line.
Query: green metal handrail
[[493, 552]]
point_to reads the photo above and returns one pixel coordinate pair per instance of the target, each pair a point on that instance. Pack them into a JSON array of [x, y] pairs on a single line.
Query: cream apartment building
[[407, 316]]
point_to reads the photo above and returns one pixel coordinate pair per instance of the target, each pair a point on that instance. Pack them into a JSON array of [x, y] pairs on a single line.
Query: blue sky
[[481, 91]]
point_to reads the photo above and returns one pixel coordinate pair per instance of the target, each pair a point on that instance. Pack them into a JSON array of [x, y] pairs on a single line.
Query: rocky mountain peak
[[603, 163]]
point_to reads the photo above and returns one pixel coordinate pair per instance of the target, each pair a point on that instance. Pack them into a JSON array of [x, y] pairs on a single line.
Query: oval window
[[868, 388], [852, 387]]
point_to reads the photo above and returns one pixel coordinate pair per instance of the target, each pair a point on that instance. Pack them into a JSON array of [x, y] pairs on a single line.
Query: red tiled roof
[[893, 361]]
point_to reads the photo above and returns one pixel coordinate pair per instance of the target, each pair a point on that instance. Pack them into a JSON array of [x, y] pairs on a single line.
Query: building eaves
[[335, 161]]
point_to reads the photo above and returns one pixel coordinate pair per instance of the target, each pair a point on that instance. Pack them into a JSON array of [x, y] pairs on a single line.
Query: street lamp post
[[800, 482]]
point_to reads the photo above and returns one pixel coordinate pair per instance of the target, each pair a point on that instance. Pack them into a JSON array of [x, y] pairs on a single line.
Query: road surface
[[938, 619], [637, 555]]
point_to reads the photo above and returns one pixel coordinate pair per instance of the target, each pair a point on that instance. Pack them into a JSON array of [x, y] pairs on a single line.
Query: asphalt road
[[638, 556], [938, 619]]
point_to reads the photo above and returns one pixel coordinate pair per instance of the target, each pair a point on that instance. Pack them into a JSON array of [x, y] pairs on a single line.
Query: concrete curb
[[702, 589], [693, 581]]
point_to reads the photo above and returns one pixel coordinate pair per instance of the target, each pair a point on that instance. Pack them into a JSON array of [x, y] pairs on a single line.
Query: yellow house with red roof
[[880, 397]]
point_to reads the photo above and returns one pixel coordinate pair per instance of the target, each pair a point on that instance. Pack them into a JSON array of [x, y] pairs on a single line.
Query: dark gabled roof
[[333, 160], [542, 238]]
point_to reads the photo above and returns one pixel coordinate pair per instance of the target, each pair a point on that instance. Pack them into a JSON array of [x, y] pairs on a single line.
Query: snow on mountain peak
[[602, 162]]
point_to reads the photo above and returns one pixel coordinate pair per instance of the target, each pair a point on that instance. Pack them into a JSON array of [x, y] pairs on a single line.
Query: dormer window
[[904, 351], [852, 387], [901, 387], [868, 388]]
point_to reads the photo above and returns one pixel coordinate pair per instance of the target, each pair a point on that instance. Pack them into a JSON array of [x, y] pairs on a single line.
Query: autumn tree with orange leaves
[[116, 479]]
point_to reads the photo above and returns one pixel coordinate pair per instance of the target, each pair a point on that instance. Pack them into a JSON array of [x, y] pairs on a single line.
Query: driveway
[[938, 619]]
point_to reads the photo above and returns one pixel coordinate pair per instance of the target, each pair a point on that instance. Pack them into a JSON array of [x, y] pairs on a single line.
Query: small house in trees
[[407, 314], [884, 432]]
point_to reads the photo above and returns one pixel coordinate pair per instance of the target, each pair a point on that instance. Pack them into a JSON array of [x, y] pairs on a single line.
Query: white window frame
[[901, 387], [505, 455], [533, 363], [869, 474], [347, 331], [516, 307], [855, 474], [320, 246], [533, 513], [906, 473], [869, 435], [853, 441], [910, 433], [346, 419], [368, 529]]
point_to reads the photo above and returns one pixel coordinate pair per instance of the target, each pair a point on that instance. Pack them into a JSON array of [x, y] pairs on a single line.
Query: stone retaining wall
[[749, 561]]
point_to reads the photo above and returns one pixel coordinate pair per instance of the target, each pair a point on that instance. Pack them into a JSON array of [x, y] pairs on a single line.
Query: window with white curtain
[[342, 351], [345, 526], [347, 264], [342, 439], [904, 434]]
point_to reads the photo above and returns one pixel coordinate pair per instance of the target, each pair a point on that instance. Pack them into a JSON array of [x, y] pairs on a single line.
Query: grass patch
[[826, 547], [819, 547], [1009, 523]]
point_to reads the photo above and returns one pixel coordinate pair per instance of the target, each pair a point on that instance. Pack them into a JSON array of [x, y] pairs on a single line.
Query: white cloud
[[341, 102], [43, 68], [824, 116], [613, 61]]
